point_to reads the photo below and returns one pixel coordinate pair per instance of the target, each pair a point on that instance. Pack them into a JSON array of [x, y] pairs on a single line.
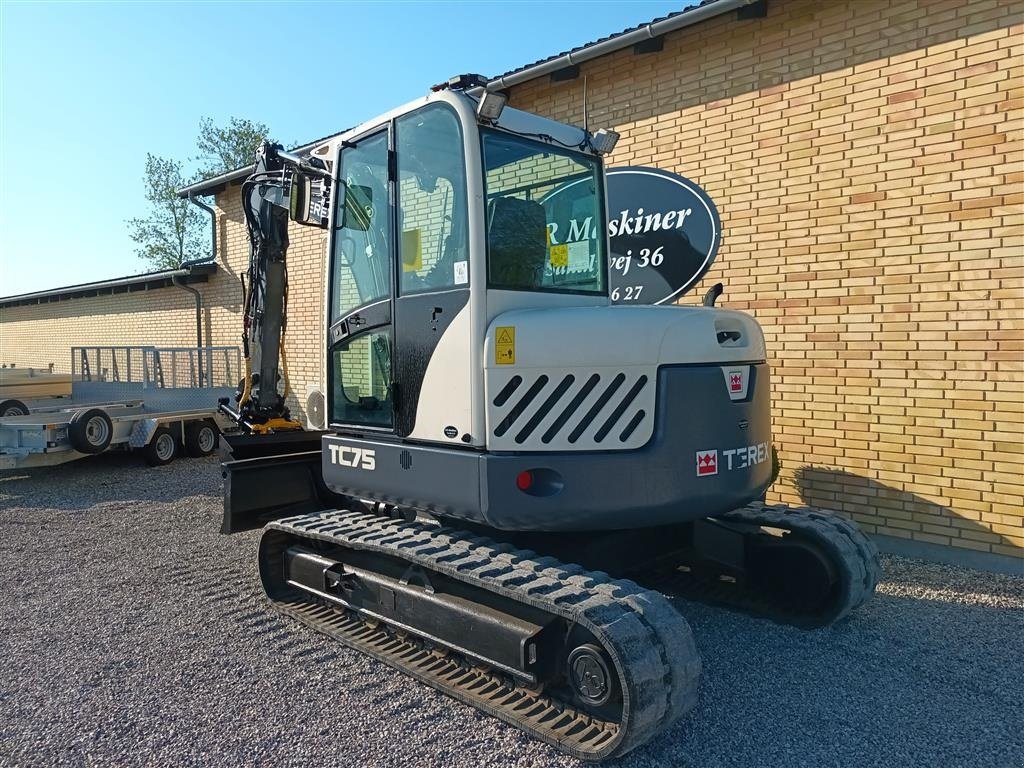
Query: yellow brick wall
[[39, 335], [866, 158]]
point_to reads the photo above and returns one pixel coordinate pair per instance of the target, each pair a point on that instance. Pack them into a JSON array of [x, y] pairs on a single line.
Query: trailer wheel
[[90, 431], [13, 408], [162, 448], [201, 438]]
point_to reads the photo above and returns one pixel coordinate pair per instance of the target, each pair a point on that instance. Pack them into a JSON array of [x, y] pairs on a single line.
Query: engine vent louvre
[[557, 425], [572, 409], [522, 405], [545, 408], [597, 407], [508, 390], [620, 409], [632, 425]]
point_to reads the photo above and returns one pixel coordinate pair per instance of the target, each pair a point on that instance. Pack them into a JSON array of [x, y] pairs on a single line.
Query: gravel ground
[[134, 634]]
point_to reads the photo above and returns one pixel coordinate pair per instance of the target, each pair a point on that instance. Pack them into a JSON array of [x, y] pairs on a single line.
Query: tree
[[175, 229], [224, 149]]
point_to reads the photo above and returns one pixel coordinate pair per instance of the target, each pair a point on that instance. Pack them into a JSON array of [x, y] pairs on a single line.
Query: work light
[[604, 141], [490, 105]]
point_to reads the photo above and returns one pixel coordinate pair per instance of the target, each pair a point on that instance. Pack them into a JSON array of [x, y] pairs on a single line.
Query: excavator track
[[847, 558], [654, 661]]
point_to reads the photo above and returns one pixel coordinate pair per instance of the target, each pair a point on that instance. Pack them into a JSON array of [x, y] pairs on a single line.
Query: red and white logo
[[707, 463], [735, 381]]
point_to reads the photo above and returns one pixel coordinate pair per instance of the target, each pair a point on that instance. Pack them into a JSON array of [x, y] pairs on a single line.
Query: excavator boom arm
[[267, 200]]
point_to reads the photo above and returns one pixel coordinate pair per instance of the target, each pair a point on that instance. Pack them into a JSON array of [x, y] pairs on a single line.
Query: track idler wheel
[[591, 676]]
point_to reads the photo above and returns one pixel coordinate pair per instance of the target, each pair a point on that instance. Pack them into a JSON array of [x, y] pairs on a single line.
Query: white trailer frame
[[138, 397]]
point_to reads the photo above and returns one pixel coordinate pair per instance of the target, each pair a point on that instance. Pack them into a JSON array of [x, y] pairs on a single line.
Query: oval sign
[[664, 232]]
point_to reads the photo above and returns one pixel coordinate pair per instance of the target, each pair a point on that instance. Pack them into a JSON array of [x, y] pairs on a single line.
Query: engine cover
[[584, 378]]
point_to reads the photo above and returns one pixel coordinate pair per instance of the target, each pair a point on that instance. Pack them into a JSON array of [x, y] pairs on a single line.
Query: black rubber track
[[853, 555], [650, 644]]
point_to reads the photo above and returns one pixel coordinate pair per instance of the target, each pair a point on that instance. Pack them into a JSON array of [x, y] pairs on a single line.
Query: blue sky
[[86, 89]]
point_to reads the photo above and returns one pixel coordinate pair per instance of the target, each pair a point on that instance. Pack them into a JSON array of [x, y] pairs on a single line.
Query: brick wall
[[866, 161], [42, 334]]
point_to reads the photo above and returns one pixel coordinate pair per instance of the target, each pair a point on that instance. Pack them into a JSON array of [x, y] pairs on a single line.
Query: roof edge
[[687, 17], [197, 272], [684, 18]]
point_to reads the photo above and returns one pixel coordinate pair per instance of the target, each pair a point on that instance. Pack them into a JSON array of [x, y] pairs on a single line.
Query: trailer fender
[[142, 433]]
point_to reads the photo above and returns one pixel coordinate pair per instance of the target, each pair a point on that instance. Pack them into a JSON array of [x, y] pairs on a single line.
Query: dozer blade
[[267, 477], [592, 665]]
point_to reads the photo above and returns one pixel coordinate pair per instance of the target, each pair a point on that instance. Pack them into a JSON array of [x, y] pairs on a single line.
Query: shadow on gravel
[[109, 477], [885, 507]]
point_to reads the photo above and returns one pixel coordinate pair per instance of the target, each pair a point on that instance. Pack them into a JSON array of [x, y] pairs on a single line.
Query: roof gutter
[[203, 187], [618, 42], [118, 282]]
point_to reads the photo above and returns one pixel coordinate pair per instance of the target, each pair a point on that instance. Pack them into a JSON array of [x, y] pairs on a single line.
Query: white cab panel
[[585, 378]]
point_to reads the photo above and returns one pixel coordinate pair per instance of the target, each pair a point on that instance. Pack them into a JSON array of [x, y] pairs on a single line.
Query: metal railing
[[158, 367]]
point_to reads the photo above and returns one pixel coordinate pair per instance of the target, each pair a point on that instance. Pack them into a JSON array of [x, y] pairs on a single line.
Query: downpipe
[[176, 280], [198, 296]]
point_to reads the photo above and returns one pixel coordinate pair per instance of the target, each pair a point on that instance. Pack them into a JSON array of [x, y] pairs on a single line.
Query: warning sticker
[[559, 255], [505, 345]]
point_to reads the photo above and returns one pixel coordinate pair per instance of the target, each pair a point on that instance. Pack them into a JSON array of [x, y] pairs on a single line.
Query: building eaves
[[649, 30], [197, 273]]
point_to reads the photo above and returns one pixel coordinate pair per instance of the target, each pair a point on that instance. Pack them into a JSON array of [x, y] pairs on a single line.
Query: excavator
[[518, 481]]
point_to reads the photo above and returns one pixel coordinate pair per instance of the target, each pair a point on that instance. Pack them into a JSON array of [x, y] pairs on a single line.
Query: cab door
[[433, 329], [360, 335]]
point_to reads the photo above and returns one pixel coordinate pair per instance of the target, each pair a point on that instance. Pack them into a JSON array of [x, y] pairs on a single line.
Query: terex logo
[[735, 458], [707, 463], [348, 456], [747, 456], [735, 381]]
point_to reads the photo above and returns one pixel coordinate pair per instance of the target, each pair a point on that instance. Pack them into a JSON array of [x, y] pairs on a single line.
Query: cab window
[[432, 219]]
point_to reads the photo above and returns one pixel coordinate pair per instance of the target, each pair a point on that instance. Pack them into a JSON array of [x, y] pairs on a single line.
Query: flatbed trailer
[[161, 401], [24, 389]]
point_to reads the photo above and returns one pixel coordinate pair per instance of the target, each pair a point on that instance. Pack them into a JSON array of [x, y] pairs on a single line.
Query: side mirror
[[307, 202]]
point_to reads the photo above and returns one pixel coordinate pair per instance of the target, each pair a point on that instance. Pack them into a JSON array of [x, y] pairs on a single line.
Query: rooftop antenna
[[586, 117]]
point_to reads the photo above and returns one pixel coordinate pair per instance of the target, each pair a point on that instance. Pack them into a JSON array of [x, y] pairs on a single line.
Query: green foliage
[[174, 231], [230, 147]]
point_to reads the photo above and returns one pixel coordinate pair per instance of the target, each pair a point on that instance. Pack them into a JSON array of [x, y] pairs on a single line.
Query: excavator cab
[[473, 356]]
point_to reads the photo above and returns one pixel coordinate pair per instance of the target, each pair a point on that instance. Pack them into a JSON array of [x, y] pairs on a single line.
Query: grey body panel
[[654, 485], [445, 481]]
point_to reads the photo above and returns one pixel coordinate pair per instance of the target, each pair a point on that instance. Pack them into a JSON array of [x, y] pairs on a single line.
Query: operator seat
[[517, 240]]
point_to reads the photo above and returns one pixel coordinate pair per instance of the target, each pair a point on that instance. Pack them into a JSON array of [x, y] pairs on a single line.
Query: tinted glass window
[[361, 380], [362, 243], [545, 217], [433, 251]]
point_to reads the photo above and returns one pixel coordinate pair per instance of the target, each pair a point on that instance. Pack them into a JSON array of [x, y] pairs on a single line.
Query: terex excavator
[[496, 429]]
